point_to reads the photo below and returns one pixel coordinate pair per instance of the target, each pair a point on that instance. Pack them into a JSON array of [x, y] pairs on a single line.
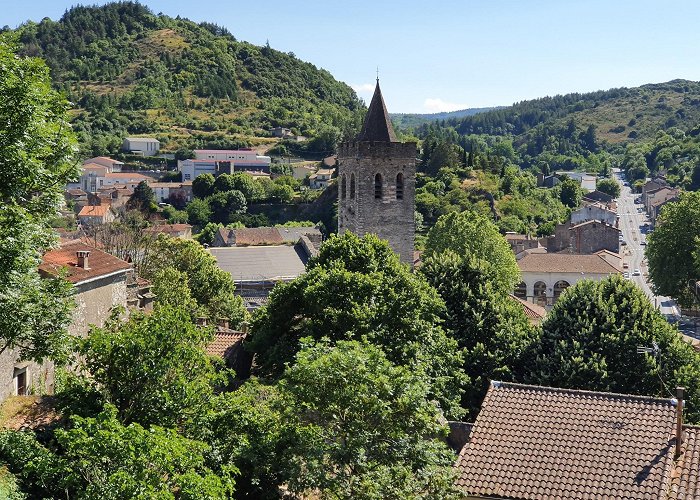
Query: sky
[[448, 55]]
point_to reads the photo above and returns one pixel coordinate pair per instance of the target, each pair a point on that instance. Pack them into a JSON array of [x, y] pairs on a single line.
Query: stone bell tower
[[377, 182]]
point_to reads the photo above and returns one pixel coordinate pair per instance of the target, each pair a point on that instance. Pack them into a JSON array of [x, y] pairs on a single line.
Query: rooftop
[[532, 442], [261, 263], [377, 125], [534, 312], [565, 263], [100, 263], [93, 211], [224, 340]]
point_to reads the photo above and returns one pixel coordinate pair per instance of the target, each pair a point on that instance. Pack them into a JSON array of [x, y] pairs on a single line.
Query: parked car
[[623, 242], [636, 273], [626, 275]]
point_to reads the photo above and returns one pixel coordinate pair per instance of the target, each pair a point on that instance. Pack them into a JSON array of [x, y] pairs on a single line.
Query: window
[[378, 187], [399, 186], [352, 186], [343, 187], [21, 381]]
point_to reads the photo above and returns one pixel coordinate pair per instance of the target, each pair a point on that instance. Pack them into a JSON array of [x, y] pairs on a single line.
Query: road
[[632, 225]]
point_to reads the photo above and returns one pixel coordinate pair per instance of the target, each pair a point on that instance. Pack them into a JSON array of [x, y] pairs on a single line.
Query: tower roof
[[377, 126]]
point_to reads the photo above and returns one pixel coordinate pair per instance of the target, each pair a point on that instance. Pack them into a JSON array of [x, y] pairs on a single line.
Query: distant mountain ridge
[[410, 120]]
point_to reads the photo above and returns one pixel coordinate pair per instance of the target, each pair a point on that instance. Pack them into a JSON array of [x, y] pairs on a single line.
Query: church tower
[[377, 182]]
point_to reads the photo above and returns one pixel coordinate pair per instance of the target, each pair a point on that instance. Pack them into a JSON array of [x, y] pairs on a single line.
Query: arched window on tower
[[352, 186], [378, 187], [399, 186], [343, 186]]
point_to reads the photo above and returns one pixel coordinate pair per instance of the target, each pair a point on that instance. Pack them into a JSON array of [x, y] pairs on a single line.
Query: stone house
[[256, 236], [546, 275], [658, 196], [657, 205], [594, 212], [20, 378], [531, 443], [521, 242], [652, 185], [585, 238]]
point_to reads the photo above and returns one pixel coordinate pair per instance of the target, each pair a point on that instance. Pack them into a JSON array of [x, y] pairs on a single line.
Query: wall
[[40, 377], [549, 279], [390, 218], [593, 212], [94, 302]]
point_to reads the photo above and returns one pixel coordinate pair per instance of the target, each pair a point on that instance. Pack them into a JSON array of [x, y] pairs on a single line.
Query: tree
[[570, 192], [487, 323], [211, 287], [172, 287], [357, 289], [143, 199], [475, 236], [590, 338], [152, 368], [672, 249], [370, 430], [246, 184], [224, 205], [36, 161], [224, 183], [198, 212], [208, 233], [609, 186], [203, 185]]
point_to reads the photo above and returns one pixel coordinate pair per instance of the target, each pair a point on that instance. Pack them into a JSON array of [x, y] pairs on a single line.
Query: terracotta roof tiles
[[565, 263], [543, 443], [100, 263], [224, 340], [93, 211]]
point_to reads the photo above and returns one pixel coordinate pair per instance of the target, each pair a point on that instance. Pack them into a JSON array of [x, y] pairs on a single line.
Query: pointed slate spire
[[377, 126]]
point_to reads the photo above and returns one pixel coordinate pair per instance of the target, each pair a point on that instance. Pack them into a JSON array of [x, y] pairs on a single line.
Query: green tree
[[370, 430], [203, 185], [143, 198], [609, 186], [487, 323], [211, 287], [36, 161], [224, 205], [198, 212], [152, 368], [207, 234], [246, 184], [281, 193], [570, 192], [474, 236], [172, 287], [672, 249], [590, 338], [224, 182], [357, 289]]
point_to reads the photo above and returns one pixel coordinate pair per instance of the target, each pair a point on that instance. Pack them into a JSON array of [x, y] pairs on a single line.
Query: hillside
[[413, 120], [129, 71], [618, 115]]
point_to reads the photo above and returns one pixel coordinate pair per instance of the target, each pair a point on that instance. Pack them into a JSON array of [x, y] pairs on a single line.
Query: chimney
[[679, 420], [222, 322], [82, 256]]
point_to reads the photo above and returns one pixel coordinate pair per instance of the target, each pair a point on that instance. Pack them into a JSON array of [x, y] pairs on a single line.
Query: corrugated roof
[[543, 443], [261, 263], [565, 263], [100, 263]]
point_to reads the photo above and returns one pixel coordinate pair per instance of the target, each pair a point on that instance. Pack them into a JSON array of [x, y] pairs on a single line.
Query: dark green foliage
[[198, 212], [225, 205], [203, 185], [672, 249], [143, 199], [609, 186], [570, 192], [590, 338], [357, 289], [488, 323]]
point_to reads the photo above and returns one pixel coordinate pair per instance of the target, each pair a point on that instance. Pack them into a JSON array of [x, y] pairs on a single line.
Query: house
[[164, 190], [91, 215], [227, 344], [94, 177], [585, 237], [256, 269], [658, 196], [280, 132], [242, 159], [321, 178], [657, 205], [535, 314], [105, 161], [183, 231], [256, 236], [191, 169], [546, 275], [594, 212], [521, 242], [540, 443], [600, 197], [146, 146], [588, 181], [652, 185], [100, 281], [547, 181], [114, 196]]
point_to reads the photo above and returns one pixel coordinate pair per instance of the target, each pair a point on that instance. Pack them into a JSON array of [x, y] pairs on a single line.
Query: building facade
[[376, 183]]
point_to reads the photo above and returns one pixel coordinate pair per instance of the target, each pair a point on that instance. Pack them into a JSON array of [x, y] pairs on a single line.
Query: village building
[[586, 237], [652, 185], [657, 205], [92, 215], [164, 190], [95, 177], [521, 242], [105, 161], [146, 146], [183, 231], [588, 181], [657, 197], [281, 132], [599, 196], [545, 276], [534, 443], [227, 344], [242, 159], [594, 212], [377, 182], [256, 236], [321, 178]]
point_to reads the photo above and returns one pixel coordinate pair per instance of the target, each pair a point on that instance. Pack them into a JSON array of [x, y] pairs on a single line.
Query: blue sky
[[446, 55]]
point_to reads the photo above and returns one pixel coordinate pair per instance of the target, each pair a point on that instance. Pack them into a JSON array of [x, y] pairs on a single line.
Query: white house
[[321, 178], [588, 181], [147, 146], [191, 169], [242, 159], [547, 275]]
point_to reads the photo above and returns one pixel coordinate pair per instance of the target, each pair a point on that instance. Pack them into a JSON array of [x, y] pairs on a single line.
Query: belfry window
[[352, 186], [343, 186], [399, 186], [378, 187]]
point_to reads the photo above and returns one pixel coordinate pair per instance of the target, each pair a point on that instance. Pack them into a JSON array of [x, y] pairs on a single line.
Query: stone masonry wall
[[94, 302], [390, 218]]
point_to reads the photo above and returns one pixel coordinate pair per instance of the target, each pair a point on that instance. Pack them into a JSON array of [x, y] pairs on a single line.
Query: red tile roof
[[565, 263], [685, 479], [250, 236], [100, 263], [532, 311], [542, 443], [93, 211], [224, 340]]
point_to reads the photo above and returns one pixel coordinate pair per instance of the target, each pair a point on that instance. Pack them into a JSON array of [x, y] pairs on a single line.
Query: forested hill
[[618, 115], [130, 71], [413, 120]]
